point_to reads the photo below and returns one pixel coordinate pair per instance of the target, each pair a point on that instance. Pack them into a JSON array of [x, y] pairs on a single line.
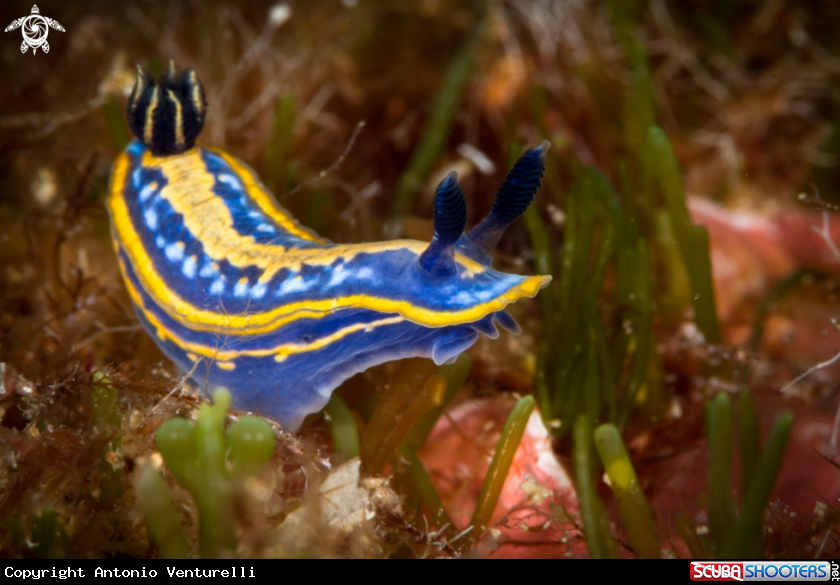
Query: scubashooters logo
[[35, 29], [764, 571]]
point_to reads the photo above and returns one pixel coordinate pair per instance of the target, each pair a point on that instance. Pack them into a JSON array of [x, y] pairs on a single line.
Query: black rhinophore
[[450, 220], [167, 115], [512, 199], [450, 210], [521, 184]]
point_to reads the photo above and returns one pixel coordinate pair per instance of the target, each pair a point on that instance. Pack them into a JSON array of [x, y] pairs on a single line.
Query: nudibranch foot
[[234, 290]]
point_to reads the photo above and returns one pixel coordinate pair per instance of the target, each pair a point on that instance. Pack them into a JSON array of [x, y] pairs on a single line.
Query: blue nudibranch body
[[221, 275]]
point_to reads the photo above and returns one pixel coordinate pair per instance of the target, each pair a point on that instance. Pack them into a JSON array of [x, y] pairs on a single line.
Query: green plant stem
[[700, 269], [106, 412], [596, 526], [543, 262], [541, 382], [592, 387], [343, 428], [217, 538], [670, 182], [161, 515], [688, 532], [748, 529], [635, 511], [250, 442], [500, 465], [636, 294], [749, 453], [414, 390], [570, 243], [748, 440], [425, 487], [455, 375], [719, 433], [52, 539], [196, 456]]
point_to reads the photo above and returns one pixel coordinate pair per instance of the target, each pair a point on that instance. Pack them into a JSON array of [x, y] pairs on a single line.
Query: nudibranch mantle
[[225, 280]]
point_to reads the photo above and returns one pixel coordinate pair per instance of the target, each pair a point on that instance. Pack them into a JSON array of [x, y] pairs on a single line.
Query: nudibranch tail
[[450, 221], [512, 199], [167, 115]]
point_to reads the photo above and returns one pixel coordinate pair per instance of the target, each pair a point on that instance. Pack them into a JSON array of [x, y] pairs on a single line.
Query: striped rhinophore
[[226, 280]]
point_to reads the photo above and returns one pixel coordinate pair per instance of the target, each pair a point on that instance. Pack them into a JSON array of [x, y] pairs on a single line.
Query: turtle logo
[[35, 30]]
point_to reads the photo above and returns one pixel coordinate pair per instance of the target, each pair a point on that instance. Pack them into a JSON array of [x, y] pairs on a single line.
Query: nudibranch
[[235, 291]]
